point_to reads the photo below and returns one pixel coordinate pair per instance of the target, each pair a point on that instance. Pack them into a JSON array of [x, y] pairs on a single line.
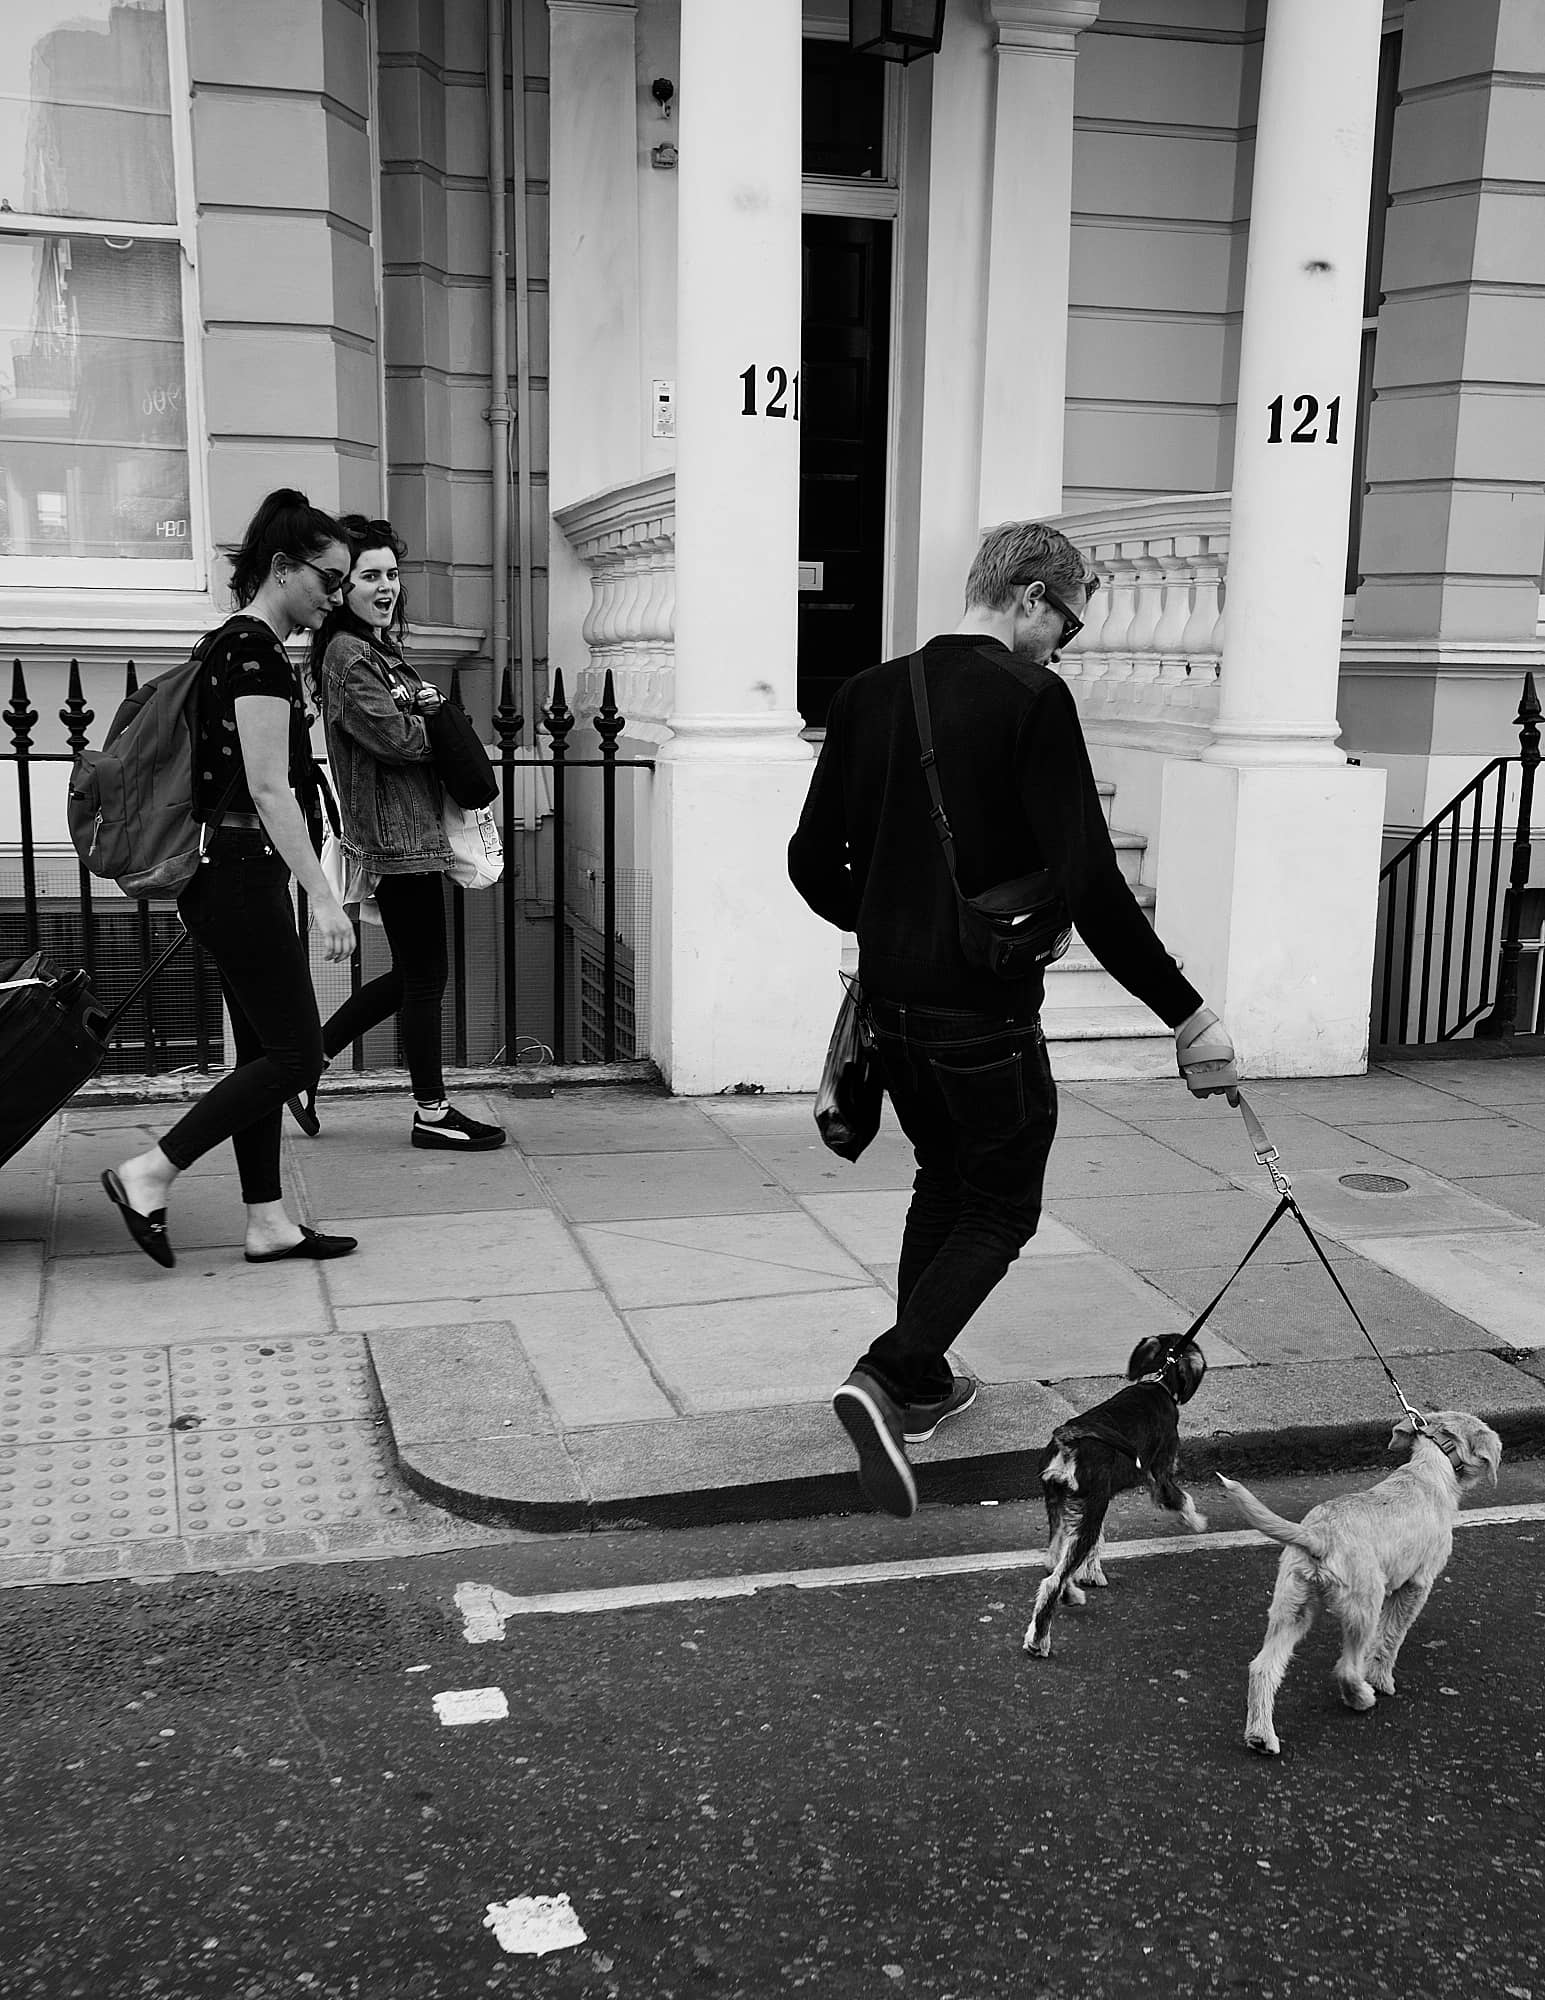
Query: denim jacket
[[389, 798]]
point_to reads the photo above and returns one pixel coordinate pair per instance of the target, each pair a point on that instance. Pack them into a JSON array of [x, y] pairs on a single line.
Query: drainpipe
[[499, 354], [524, 515]]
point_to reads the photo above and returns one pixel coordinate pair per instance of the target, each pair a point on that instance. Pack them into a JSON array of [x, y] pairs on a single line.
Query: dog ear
[[1474, 1447], [1190, 1367], [1147, 1357]]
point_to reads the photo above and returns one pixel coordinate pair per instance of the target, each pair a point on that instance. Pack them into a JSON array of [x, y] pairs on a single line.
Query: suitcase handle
[[111, 1020]]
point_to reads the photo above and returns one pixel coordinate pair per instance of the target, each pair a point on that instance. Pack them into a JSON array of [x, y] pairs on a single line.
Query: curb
[[962, 1481]]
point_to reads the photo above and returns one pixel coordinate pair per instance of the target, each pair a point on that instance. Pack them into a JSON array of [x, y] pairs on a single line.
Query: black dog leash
[[1267, 1156]]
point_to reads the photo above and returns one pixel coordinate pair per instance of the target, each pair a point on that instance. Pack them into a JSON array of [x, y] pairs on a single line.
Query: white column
[[744, 980], [1024, 384], [1269, 847]]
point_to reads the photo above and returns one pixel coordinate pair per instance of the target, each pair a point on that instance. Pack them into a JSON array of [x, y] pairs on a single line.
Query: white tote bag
[[348, 879], [477, 853]]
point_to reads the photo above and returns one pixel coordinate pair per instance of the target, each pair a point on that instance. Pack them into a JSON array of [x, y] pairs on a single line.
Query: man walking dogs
[[961, 1049]]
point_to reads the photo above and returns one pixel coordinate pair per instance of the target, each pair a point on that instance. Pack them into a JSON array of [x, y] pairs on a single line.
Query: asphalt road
[[240, 1787]]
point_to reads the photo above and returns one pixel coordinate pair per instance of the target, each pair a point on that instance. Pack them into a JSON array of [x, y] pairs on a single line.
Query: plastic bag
[[477, 853], [847, 1104]]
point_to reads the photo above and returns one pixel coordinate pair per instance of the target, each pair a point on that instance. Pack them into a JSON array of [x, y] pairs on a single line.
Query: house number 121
[[782, 398], [1306, 430]]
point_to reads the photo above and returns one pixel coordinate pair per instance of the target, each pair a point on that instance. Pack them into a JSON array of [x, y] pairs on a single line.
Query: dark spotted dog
[[1131, 1439]]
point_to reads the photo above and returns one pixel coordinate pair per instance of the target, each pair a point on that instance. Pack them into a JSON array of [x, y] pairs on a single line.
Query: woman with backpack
[[391, 807], [252, 755]]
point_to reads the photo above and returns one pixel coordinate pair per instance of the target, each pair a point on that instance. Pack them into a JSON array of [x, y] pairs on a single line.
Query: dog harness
[[1102, 1433]]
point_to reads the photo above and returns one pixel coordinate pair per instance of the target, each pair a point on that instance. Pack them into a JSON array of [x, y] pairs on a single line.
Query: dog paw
[[1357, 1695], [1267, 1745], [1096, 1575], [1071, 1594], [1041, 1647], [1382, 1683]]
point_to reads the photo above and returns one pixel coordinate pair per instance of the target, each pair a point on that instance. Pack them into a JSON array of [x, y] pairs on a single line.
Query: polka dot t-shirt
[[245, 658]]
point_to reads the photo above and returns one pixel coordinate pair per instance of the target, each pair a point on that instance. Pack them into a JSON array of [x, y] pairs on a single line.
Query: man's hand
[[1206, 1056]]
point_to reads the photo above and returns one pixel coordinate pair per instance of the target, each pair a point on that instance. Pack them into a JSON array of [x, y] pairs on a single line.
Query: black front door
[[843, 369]]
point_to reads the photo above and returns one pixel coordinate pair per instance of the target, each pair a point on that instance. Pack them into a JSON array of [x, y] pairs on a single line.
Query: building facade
[[683, 343]]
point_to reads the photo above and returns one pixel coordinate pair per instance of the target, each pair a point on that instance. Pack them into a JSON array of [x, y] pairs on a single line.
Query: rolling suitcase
[[54, 1034]]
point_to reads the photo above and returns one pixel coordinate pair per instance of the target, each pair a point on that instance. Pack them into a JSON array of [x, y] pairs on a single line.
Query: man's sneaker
[[872, 1419], [456, 1133], [919, 1421]]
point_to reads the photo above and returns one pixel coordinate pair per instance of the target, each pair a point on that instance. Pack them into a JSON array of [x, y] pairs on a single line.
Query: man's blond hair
[[1020, 552]]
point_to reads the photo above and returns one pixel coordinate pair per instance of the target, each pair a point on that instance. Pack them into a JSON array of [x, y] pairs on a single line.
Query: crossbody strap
[[940, 818]]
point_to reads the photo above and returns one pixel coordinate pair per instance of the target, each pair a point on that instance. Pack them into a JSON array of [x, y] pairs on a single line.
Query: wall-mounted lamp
[[899, 31], [663, 91]]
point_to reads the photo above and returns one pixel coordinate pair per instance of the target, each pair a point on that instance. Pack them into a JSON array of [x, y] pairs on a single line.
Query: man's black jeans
[[974, 1094]]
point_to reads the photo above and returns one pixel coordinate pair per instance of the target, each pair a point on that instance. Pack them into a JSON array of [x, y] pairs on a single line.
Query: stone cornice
[[1046, 27]]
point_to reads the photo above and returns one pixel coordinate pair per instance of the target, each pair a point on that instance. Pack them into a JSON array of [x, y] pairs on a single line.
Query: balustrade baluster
[[1148, 606], [1176, 560]]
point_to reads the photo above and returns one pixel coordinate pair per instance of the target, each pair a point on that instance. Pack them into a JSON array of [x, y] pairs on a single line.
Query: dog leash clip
[[1266, 1153]]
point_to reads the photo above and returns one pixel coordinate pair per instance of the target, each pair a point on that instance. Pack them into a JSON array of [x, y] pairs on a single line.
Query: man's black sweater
[[1020, 794]]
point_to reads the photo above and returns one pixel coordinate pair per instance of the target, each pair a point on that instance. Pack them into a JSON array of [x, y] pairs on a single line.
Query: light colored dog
[[1370, 1557]]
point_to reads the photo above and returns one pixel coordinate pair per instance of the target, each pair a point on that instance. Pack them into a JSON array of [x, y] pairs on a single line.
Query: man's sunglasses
[[1071, 626]]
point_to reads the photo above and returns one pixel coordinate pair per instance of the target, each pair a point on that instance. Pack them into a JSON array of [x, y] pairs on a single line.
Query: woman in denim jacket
[[389, 800]]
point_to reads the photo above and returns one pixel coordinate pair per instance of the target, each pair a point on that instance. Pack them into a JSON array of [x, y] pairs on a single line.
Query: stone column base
[[744, 978], [1268, 892]]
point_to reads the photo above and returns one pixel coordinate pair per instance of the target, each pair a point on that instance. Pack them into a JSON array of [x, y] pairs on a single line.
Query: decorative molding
[[626, 538], [1045, 27]]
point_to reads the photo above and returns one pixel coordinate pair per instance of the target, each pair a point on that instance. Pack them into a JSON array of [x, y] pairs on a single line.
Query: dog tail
[[1260, 1516]]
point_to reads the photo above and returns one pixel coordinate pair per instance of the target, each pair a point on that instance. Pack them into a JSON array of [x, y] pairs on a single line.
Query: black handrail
[[1418, 977]]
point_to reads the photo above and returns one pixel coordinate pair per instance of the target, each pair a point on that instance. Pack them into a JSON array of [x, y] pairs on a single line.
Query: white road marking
[[462, 1705], [485, 1610]]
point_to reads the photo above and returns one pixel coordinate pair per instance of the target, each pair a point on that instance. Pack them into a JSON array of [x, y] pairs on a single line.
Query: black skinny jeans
[[413, 916], [238, 908], [974, 1094]]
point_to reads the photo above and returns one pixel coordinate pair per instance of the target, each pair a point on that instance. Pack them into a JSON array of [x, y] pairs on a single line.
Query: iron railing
[[1449, 939], [512, 951]]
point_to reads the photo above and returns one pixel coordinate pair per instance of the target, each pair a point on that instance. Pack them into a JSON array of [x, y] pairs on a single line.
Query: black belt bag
[[1014, 928]]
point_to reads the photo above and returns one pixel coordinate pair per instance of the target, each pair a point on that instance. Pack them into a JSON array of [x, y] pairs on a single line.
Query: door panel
[[843, 371]]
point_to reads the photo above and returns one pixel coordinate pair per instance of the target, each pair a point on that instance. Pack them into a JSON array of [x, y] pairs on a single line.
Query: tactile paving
[[284, 1476], [58, 1398], [238, 1385], [55, 1496]]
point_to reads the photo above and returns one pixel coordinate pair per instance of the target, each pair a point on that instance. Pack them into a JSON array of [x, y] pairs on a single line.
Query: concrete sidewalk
[[638, 1309]]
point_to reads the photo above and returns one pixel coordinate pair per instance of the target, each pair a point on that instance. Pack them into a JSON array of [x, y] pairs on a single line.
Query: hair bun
[[288, 496]]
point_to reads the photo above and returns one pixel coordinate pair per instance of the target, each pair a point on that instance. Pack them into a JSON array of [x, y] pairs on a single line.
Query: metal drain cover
[[1375, 1184]]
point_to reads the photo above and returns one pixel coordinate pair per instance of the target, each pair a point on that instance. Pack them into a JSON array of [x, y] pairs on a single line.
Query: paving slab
[[206, 1213], [97, 1302], [26, 1207], [1108, 1164], [1494, 1279], [1382, 1097], [868, 1225], [624, 1187], [1302, 1142], [1425, 1205], [89, 1147], [799, 1162], [1522, 1195], [613, 1121], [760, 1353], [1460, 1146], [400, 1181], [454, 1384], [1292, 1312], [1078, 1315], [590, 1368], [39, 1155], [682, 1260], [21, 1292], [403, 1257], [1152, 1230], [1500, 1082]]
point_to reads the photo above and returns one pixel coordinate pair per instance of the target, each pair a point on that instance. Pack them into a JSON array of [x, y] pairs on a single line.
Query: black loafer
[[312, 1244], [148, 1231]]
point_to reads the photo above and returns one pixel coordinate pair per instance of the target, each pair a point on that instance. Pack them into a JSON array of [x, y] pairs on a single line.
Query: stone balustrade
[[626, 538], [1152, 644]]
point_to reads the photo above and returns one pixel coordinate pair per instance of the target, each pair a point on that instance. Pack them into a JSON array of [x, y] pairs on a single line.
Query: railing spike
[[75, 715], [130, 681], [21, 715]]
